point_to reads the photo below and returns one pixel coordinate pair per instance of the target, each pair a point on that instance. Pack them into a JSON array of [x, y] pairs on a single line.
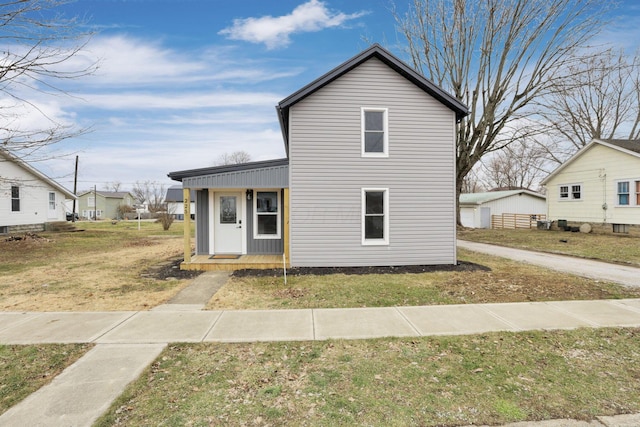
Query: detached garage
[[476, 209]]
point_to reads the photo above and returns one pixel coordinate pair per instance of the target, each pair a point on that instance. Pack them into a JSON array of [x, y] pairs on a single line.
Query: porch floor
[[205, 263]]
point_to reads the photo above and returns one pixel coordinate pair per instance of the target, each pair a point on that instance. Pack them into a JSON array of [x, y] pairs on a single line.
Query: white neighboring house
[[600, 184], [175, 202], [476, 209], [28, 198]]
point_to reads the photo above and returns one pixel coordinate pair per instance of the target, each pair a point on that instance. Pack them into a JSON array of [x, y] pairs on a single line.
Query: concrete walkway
[[622, 274]]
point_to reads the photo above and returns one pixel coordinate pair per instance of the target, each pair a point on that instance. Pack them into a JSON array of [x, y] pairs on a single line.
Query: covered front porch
[[241, 216]]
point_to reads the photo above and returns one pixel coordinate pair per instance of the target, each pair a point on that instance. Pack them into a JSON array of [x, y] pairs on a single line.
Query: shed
[[476, 209]]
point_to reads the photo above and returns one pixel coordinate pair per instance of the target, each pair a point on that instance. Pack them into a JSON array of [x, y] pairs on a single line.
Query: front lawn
[[438, 381], [606, 247], [508, 281], [101, 268]]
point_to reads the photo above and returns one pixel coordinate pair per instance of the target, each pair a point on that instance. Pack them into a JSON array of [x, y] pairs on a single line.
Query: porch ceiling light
[[249, 194]]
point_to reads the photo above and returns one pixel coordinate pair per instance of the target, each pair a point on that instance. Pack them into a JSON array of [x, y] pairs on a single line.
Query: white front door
[[52, 213], [227, 232]]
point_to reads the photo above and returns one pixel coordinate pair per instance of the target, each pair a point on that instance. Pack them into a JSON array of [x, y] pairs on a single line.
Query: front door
[[227, 233]]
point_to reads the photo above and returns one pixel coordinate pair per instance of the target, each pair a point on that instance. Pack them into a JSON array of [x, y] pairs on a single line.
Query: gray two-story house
[[369, 177]]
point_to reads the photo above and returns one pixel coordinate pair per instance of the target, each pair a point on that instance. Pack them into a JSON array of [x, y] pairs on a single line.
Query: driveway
[[622, 274]]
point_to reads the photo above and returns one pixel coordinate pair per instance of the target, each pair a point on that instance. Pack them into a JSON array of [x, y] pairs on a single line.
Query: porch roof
[[262, 174]]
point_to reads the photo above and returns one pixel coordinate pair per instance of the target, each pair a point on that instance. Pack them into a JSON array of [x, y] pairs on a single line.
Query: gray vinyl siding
[[271, 177], [202, 222], [264, 246], [327, 173]]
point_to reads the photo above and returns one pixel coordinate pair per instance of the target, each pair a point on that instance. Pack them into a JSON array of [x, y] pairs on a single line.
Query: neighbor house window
[[576, 192], [52, 201], [623, 193], [267, 215], [15, 198], [375, 134], [91, 202], [564, 191], [375, 216], [637, 193], [570, 191]]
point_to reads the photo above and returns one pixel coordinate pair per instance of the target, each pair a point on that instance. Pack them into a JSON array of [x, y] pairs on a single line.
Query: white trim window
[[628, 192], [15, 198], [375, 132], [623, 193], [266, 214], [570, 192], [52, 201], [375, 216]]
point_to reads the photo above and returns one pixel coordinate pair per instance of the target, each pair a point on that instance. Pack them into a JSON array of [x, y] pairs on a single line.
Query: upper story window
[[15, 198], [570, 191], [375, 216], [628, 193], [91, 202], [267, 215], [375, 133]]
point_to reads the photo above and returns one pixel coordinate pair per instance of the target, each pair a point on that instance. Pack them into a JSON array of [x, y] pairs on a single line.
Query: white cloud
[[275, 32], [177, 101]]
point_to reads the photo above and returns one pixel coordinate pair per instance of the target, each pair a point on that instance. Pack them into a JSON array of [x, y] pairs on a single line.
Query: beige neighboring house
[[600, 185], [28, 198], [103, 204]]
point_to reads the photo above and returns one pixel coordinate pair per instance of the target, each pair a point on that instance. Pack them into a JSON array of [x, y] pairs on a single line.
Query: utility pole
[[95, 202], [75, 192]]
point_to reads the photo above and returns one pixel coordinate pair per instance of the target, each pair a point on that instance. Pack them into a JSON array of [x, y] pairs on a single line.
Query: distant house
[[175, 202], [369, 177], [476, 209], [28, 198], [600, 185], [104, 204]]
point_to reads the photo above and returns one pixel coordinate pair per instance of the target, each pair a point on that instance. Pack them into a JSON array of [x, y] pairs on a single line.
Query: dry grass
[[607, 247], [508, 281], [443, 381], [98, 269], [24, 369]]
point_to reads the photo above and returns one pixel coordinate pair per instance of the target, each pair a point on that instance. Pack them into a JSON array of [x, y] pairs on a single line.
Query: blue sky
[[181, 82]]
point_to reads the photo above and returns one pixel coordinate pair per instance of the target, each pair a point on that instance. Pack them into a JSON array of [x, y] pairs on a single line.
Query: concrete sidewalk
[[127, 342], [622, 274], [167, 325]]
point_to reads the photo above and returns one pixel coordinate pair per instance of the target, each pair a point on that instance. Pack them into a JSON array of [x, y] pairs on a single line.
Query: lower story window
[[375, 216], [623, 193], [267, 214]]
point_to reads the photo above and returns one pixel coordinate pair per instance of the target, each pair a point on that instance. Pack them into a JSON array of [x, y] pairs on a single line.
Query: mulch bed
[[400, 269], [170, 270]]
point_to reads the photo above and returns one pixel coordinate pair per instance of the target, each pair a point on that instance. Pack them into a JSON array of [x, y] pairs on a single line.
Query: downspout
[[603, 177]]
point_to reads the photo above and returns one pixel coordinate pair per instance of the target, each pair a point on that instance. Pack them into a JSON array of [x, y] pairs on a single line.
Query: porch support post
[[186, 193], [285, 234]]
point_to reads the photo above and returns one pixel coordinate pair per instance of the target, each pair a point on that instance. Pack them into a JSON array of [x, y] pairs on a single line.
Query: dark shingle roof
[[627, 144]]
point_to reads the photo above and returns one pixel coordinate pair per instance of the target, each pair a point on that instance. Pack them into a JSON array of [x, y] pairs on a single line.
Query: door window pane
[[227, 209]]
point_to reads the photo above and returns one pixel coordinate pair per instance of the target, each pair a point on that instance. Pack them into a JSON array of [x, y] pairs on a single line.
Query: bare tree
[[151, 193], [235, 158], [496, 56], [519, 165], [113, 186], [599, 97], [472, 182], [38, 47]]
